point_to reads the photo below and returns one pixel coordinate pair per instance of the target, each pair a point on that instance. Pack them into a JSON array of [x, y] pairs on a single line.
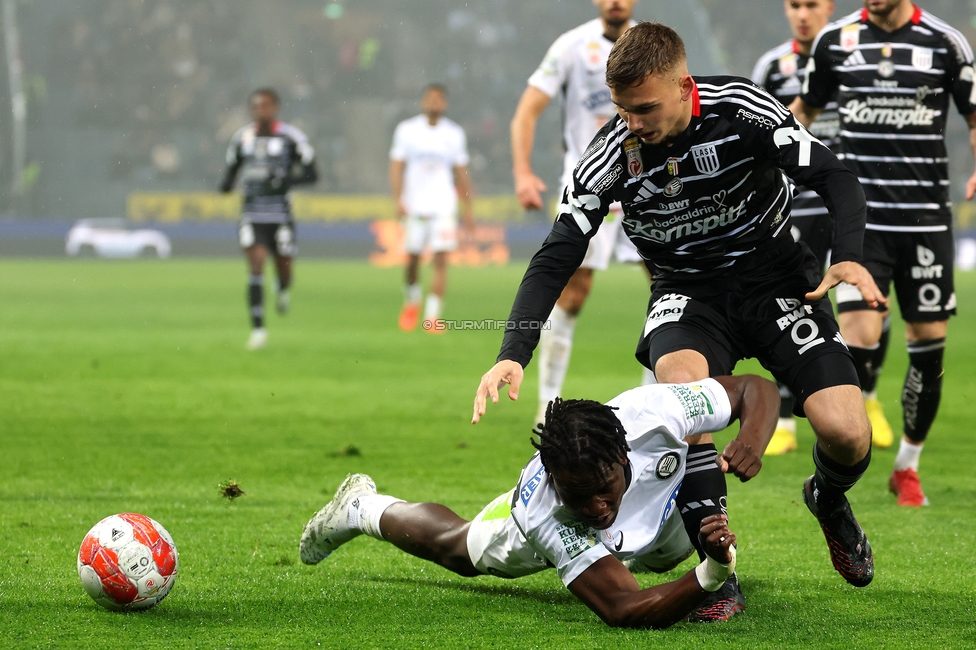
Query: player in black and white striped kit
[[700, 166], [781, 72], [274, 156], [895, 68]]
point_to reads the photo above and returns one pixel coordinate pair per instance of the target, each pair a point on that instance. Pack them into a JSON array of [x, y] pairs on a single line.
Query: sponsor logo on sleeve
[[530, 486], [608, 179], [758, 120], [693, 399], [576, 537]]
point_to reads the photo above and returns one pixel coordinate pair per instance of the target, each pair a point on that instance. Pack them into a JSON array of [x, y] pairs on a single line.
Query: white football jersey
[[575, 67], [431, 153], [657, 419]]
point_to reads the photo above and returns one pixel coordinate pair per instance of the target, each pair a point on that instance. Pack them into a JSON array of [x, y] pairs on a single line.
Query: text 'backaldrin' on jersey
[[719, 191], [657, 418], [893, 95], [267, 164]]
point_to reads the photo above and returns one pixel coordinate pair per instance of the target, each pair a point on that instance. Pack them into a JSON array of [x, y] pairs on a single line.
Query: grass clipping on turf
[[230, 489]]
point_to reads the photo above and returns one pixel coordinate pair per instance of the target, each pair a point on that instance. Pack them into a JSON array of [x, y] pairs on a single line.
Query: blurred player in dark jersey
[[781, 72], [274, 156], [893, 69]]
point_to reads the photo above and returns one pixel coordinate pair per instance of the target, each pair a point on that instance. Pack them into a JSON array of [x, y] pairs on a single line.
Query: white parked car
[[115, 238]]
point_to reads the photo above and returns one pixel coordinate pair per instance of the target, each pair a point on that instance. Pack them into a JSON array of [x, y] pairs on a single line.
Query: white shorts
[[496, 546], [439, 232]]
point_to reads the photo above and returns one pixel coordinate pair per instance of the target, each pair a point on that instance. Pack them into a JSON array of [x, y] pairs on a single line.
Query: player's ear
[[687, 85]]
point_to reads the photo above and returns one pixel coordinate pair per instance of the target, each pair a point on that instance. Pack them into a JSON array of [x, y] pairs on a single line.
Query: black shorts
[[279, 238], [919, 263], [758, 310]]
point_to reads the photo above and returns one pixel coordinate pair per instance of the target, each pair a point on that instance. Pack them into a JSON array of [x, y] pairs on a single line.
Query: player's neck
[[895, 19], [432, 119], [803, 47], [612, 32]]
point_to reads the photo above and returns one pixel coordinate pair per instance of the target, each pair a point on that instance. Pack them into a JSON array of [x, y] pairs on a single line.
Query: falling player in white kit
[[600, 492], [428, 174], [574, 68]]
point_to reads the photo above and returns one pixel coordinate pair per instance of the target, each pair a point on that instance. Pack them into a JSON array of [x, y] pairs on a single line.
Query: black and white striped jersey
[[269, 166], [893, 92], [781, 72], [717, 194]]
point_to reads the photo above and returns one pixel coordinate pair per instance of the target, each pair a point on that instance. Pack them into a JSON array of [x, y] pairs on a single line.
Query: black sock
[[785, 401], [923, 387], [880, 352], [832, 480], [255, 300], [702, 493], [864, 366]]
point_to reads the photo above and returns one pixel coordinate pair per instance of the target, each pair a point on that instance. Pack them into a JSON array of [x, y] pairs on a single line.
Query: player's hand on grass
[[529, 189], [854, 274], [716, 538], [740, 459], [503, 372]]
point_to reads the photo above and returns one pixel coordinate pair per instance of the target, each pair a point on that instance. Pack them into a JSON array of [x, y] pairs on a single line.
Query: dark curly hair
[[580, 436]]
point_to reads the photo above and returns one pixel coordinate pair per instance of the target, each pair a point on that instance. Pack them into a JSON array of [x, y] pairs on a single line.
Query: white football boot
[[329, 528], [283, 302], [258, 339]]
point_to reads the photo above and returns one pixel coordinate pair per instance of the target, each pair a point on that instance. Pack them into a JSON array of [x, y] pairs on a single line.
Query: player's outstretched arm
[[503, 372], [611, 591], [755, 403], [854, 274]]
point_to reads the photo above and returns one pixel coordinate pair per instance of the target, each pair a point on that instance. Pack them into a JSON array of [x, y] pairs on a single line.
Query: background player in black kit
[[274, 156], [781, 72], [895, 67], [700, 167]]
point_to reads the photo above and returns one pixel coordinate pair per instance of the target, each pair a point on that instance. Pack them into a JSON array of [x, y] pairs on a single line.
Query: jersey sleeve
[[398, 151], [584, 205], [807, 161], [960, 76], [551, 74], [233, 160], [682, 409], [760, 73], [571, 546], [461, 158], [820, 84]]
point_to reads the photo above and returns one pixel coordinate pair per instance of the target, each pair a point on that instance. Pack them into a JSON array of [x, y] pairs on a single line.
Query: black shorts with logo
[[279, 238], [758, 310], [919, 263]]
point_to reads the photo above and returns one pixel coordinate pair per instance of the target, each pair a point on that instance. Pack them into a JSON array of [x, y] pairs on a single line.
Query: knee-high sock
[[703, 491], [831, 479], [555, 346], [785, 401], [923, 387], [869, 361], [255, 300]]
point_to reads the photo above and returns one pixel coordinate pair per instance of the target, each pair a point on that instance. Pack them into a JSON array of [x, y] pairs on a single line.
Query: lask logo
[[922, 58], [706, 158]]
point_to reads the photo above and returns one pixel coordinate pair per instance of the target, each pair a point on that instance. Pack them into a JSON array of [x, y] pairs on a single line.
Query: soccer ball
[[127, 561]]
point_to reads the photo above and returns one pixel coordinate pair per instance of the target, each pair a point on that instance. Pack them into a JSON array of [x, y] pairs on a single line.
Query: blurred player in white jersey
[[574, 68], [428, 174]]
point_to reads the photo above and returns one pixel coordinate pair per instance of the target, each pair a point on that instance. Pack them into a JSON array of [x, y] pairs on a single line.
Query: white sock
[[647, 377], [555, 346], [366, 511], [786, 423], [872, 395], [432, 310], [411, 294], [908, 455]]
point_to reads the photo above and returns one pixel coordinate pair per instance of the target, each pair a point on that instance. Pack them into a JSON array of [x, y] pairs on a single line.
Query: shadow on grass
[[547, 596]]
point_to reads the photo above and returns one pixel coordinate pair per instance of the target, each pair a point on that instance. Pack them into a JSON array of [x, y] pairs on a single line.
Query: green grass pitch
[[125, 386]]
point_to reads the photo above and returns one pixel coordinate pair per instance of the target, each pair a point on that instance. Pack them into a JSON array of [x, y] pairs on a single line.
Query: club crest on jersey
[[673, 166], [667, 465], [673, 188], [886, 68], [922, 58], [788, 65], [886, 51], [706, 158], [635, 166], [850, 37]]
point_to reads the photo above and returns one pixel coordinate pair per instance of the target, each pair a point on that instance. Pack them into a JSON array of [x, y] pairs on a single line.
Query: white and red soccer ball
[[127, 561]]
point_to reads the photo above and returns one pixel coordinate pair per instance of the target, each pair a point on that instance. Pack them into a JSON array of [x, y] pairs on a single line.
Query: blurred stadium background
[[123, 108]]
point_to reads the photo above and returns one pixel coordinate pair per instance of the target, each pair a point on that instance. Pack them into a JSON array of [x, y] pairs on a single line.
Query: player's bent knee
[[840, 421], [452, 552]]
